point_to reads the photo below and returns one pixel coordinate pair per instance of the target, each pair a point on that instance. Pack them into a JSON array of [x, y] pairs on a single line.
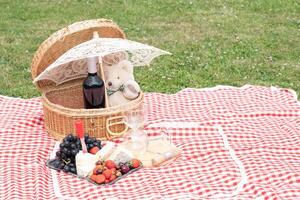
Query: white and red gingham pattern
[[238, 143]]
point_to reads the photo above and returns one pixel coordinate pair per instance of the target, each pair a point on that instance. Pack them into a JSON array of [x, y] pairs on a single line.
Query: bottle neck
[[92, 65], [92, 74]]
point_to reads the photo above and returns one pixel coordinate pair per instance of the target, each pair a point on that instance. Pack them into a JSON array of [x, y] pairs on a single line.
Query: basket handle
[[110, 134]]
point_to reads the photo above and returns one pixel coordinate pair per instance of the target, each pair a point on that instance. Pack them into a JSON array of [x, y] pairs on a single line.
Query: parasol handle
[[95, 35]]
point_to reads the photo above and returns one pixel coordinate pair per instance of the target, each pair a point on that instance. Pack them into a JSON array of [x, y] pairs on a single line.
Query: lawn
[[213, 41]]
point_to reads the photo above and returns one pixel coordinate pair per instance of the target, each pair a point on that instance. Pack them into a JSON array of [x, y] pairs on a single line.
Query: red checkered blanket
[[238, 143]]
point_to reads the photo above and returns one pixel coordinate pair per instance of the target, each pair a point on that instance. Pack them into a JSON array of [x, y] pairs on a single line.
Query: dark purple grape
[[90, 146], [88, 141], [70, 137], [86, 136], [67, 144], [66, 168], [65, 150], [73, 170], [74, 152], [73, 145], [61, 145], [125, 169], [93, 139], [55, 163], [63, 155], [61, 165], [71, 165], [95, 144], [78, 142]]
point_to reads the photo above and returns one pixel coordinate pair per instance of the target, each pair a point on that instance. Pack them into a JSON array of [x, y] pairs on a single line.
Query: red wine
[[93, 87]]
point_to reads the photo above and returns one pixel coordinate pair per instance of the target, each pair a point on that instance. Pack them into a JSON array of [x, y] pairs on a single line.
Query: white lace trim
[[72, 64]]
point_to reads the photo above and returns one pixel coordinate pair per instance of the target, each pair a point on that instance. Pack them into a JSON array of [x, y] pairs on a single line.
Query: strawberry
[[113, 171], [107, 181], [94, 150], [93, 177], [107, 173], [100, 179], [113, 177], [110, 164], [135, 163], [98, 169]]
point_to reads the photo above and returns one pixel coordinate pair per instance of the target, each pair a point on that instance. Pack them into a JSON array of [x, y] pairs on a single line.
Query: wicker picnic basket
[[63, 104]]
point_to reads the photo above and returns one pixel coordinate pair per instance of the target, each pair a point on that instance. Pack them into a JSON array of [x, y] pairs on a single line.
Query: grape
[[66, 168], [71, 165], [78, 143], [63, 155], [125, 169], [93, 139], [61, 145], [90, 146], [67, 144], [89, 141], [70, 137], [73, 145], [61, 165], [73, 170], [95, 144], [69, 147], [55, 163], [74, 152], [65, 150]]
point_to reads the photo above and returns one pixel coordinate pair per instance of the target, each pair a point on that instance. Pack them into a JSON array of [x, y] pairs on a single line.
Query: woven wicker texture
[[66, 38], [63, 104]]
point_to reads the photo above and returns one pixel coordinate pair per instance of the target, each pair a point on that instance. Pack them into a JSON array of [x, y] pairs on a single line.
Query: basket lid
[[63, 40]]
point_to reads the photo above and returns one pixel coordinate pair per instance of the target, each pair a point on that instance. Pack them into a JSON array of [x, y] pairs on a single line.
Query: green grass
[[213, 41]]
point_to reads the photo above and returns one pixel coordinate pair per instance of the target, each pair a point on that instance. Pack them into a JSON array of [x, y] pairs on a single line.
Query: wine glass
[[137, 138]]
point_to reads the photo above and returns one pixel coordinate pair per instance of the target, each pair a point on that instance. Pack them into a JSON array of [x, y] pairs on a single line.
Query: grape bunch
[[70, 146]]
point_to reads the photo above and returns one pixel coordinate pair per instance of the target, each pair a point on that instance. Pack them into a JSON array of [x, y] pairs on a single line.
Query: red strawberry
[[94, 150], [113, 170], [110, 164], [135, 163], [93, 177], [113, 177], [107, 173], [100, 179]]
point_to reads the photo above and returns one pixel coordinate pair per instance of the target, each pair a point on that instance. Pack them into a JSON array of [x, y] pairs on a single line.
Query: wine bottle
[[93, 87]]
